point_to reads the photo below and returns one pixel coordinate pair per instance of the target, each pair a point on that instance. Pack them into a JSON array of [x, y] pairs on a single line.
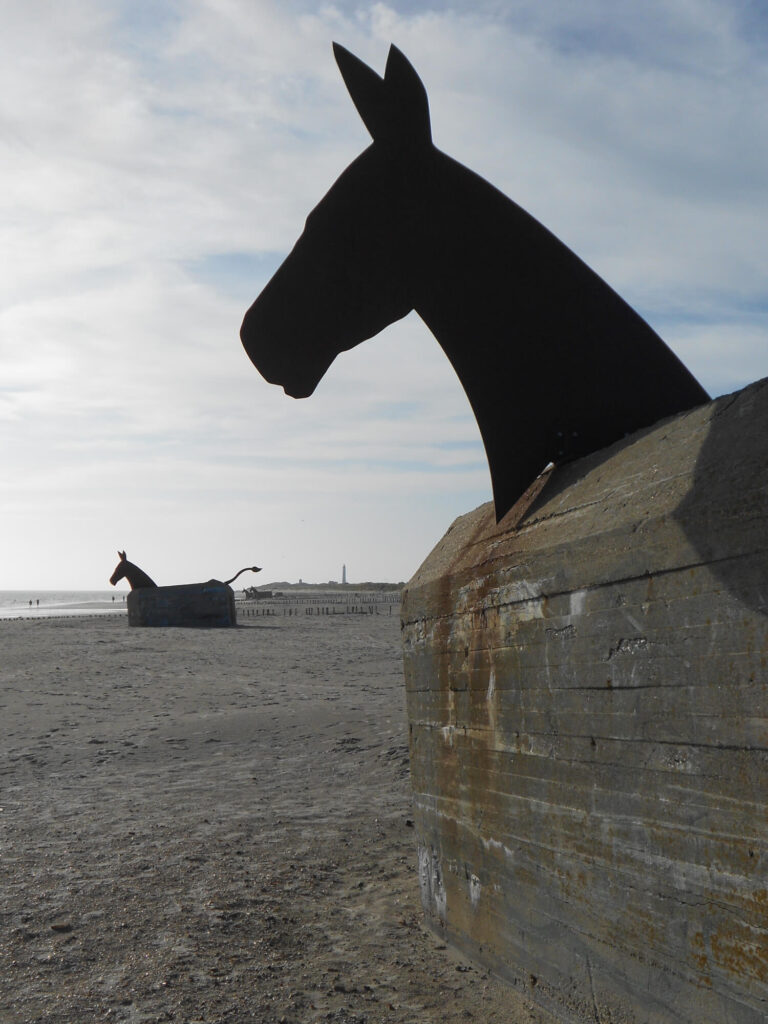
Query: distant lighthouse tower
[[343, 574]]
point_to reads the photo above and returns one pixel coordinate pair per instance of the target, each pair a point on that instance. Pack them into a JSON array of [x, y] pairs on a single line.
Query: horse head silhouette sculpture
[[554, 363], [127, 570]]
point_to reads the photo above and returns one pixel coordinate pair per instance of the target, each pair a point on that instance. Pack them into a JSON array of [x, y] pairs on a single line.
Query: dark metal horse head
[[127, 570], [554, 363]]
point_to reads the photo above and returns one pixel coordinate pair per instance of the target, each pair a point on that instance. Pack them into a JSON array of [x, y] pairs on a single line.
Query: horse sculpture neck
[[137, 577], [555, 365]]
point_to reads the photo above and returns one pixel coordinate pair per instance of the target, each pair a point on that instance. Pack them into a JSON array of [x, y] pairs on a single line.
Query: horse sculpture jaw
[[280, 338], [265, 344], [283, 339]]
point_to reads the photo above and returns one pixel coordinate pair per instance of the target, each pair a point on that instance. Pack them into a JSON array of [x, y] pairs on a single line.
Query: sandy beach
[[210, 826]]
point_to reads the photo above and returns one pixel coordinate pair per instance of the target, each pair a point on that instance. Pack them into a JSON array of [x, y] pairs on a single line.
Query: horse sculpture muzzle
[[280, 337]]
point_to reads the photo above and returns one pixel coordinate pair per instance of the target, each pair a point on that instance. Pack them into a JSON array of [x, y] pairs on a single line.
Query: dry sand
[[215, 826]]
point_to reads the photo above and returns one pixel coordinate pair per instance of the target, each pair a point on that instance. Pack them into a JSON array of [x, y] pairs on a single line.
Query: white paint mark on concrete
[[475, 889], [494, 844], [576, 602], [433, 895], [491, 685]]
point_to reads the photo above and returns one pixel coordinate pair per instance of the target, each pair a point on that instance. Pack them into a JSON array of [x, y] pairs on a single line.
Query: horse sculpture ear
[[122, 555], [407, 97], [394, 109], [365, 87]]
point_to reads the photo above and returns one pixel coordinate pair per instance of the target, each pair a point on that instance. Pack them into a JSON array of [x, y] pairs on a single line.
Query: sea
[[41, 604]]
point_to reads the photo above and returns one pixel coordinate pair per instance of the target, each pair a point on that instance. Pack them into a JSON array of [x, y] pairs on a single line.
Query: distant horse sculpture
[[554, 363], [138, 578], [190, 604]]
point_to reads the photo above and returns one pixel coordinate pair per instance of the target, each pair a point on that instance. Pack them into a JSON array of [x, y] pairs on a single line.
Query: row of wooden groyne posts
[[355, 603]]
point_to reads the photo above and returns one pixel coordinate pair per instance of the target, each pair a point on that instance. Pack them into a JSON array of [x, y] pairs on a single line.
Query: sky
[[157, 161]]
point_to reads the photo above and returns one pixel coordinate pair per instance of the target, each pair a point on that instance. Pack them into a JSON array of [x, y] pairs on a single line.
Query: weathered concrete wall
[[190, 604], [588, 701]]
